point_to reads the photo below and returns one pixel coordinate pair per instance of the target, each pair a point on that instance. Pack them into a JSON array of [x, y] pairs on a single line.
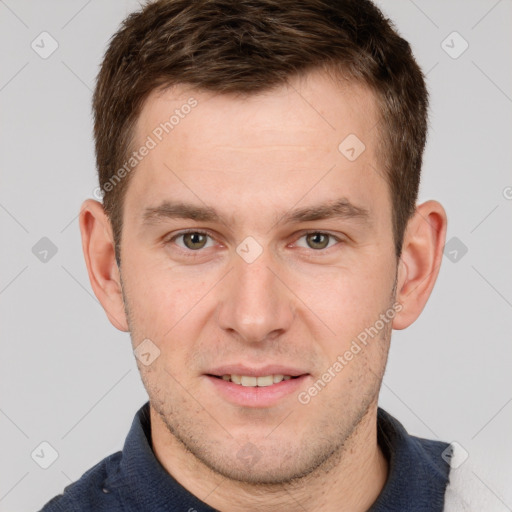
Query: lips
[[249, 371], [251, 377], [257, 390], [251, 381]]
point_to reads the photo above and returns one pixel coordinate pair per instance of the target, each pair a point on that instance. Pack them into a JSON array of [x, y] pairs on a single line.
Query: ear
[[419, 264], [98, 248]]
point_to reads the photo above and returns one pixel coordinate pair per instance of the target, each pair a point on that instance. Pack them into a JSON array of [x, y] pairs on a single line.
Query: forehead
[[306, 141], [312, 109]]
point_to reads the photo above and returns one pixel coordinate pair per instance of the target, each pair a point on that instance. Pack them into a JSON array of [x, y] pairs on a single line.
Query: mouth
[[244, 386], [251, 381]]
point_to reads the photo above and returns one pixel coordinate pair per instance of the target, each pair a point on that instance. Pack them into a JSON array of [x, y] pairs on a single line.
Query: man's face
[[268, 285]]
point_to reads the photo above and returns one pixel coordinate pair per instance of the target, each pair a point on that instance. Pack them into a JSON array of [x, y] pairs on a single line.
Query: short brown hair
[[248, 46]]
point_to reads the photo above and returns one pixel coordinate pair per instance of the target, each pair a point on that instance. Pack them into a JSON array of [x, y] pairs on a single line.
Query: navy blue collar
[[418, 474], [416, 482]]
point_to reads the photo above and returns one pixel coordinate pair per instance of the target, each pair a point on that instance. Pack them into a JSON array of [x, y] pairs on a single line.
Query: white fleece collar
[[465, 492]]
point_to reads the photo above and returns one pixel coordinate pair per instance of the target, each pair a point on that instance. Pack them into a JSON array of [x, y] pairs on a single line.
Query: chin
[[272, 465]]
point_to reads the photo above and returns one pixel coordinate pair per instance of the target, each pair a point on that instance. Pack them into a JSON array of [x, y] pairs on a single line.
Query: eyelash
[[191, 253]]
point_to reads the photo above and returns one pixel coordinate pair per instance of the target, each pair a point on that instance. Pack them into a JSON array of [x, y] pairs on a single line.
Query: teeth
[[268, 380], [250, 381]]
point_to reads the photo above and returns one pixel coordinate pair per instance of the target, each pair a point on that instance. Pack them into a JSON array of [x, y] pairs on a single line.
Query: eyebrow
[[179, 210], [340, 209]]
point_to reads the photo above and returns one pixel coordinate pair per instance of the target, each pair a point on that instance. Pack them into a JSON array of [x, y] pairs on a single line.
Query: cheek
[[167, 305], [349, 296], [148, 292]]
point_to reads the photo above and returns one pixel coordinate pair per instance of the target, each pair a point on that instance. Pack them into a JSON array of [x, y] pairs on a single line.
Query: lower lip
[[264, 396]]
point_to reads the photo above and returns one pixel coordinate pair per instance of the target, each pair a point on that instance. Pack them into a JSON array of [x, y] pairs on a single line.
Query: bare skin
[[300, 303]]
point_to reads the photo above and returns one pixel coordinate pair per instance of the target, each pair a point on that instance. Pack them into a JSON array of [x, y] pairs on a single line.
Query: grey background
[[70, 379]]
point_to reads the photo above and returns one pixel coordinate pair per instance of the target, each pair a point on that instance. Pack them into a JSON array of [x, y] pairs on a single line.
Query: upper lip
[[240, 369]]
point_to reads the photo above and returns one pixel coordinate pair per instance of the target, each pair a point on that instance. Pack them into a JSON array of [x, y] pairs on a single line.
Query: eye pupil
[[317, 240], [194, 240]]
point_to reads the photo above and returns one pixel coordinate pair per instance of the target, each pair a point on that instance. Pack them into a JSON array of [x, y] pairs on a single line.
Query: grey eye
[[194, 241], [317, 240]]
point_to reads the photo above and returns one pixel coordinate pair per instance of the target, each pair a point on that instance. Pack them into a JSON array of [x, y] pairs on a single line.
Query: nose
[[255, 305]]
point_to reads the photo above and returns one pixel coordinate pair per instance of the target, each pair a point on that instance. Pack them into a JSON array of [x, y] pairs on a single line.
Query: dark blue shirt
[[134, 480]]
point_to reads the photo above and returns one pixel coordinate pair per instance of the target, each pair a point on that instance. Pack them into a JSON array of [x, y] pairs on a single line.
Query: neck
[[350, 480]]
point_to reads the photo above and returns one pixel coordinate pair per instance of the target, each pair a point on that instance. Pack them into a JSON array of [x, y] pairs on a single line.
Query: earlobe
[[420, 261], [98, 249]]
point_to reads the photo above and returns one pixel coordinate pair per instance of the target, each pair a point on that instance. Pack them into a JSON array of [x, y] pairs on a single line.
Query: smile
[[252, 381], [260, 391]]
